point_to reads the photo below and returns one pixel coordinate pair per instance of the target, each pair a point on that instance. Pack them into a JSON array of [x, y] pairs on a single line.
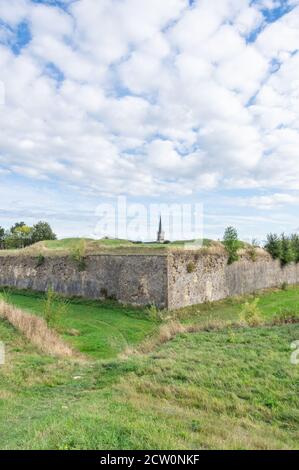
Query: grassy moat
[[224, 387]]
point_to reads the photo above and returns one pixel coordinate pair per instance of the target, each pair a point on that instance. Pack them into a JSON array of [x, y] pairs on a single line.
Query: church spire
[[161, 235]]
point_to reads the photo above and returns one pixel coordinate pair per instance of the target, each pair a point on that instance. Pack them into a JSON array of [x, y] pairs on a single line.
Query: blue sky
[[164, 102]]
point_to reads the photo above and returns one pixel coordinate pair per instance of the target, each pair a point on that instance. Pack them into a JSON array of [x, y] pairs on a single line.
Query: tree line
[[21, 235], [283, 247]]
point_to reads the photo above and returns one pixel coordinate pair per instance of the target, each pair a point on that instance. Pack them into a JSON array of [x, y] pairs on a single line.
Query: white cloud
[[154, 96], [269, 202], [281, 36], [14, 11], [249, 20]]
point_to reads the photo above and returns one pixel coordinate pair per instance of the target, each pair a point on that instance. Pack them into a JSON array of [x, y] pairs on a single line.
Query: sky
[[168, 102]]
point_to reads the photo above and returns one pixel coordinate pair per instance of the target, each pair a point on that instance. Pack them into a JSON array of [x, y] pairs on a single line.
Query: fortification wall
[[133, 279], [173, 281], [213, 279]]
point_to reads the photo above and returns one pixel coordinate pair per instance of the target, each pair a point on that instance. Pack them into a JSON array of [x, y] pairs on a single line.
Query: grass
[[35, 329], [271, 302], [114, 246], [100, 329], [226, 389], [105, 329]]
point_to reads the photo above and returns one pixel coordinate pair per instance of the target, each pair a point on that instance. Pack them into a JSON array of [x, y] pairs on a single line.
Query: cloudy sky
[[161, 101]]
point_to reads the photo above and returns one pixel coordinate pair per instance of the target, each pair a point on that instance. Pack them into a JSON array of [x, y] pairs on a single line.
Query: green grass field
[[67, 245], [231, 389]]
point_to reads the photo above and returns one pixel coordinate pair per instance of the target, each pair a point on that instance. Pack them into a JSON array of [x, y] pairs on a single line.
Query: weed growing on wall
[[252, 250], [191, 267], [40, 260], [78, 255]]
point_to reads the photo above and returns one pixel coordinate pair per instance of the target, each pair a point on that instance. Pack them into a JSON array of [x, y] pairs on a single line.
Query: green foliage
[[155, 314], [54, 307], [42, 231], [21, 235], [191, 267], [2, 238], [16, 226], [273, 245], [6, 296], [232, 244], [285, 248], [295, 246], [286, 315], [78, 255], [286, 255], [251, 313], [40, 260]]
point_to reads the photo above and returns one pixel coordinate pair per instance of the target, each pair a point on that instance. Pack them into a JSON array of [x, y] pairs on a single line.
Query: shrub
[[232, 244], [154, 313], [252, 250], [40, 260], [78, 254], [191, 267], [252, 253], [251, 314], [54, 307]]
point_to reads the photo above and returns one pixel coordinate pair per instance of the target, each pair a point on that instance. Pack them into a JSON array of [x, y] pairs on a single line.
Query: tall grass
[[36, 330]]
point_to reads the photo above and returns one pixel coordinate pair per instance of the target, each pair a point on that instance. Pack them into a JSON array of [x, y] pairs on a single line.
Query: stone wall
[[213, 279], [173, 281], [133, 279]]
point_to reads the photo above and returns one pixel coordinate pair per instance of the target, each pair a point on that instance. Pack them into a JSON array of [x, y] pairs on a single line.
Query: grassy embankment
[[232, 388], [114, 246]]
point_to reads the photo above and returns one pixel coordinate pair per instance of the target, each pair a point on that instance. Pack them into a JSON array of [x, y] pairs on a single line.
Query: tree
[[286, 255], [295, 246], [16, 226], [273, 245], [2, 236], [19, 236], [42, 231], [231, 243]]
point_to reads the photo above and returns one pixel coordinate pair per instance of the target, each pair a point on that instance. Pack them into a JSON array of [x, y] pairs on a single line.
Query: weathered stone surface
[[134, 279], [213, 279], [165, 281]]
